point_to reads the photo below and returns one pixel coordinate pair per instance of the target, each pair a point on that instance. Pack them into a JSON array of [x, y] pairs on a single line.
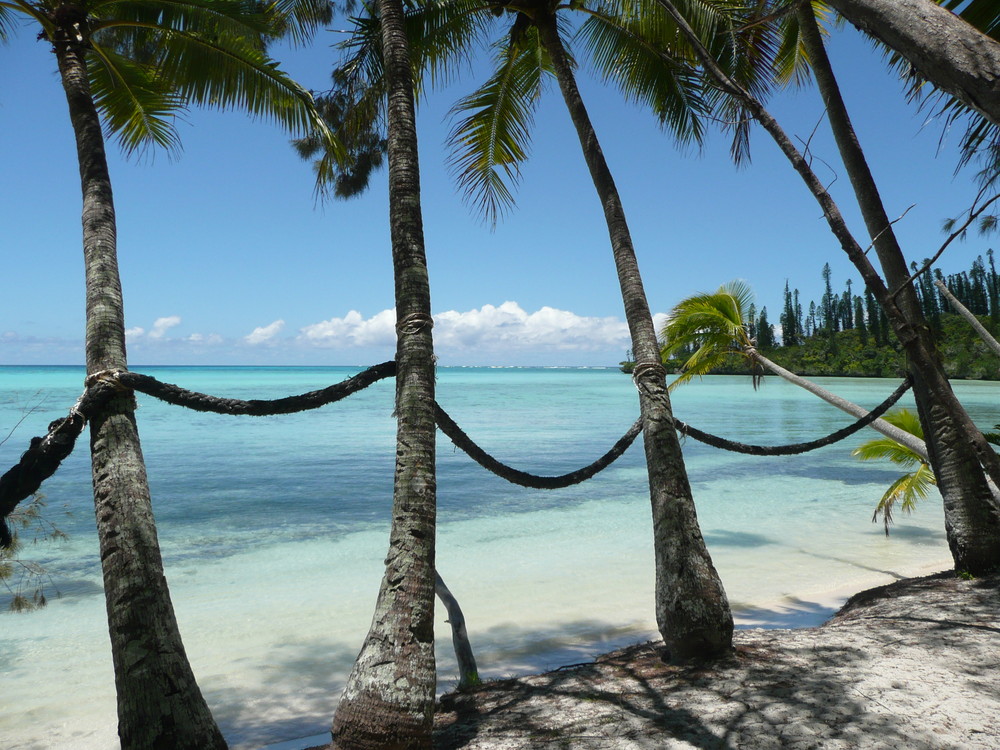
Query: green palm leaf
[[442, 35], [904, 492], [647, 71], [137, 106], [492, 141], [910, 487], [714, 325]]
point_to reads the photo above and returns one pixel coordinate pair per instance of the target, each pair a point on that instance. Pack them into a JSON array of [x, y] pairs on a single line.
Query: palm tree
[[718, 326], [692, 610], [136, 62], [910, 487], [962, 459], [388, 701]]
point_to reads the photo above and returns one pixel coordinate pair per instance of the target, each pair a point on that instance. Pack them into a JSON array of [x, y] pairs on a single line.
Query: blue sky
[[226, 258]]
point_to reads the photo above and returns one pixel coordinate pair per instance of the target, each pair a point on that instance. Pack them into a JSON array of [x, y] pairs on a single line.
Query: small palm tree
[[716, 325], [910, 487]]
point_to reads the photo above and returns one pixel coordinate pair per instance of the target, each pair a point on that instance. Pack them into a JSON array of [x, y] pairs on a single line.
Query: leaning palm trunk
[[388, 701], [960, 456], [159, 703], [692, 611], [972, 320], [892, 432], [950, 53]]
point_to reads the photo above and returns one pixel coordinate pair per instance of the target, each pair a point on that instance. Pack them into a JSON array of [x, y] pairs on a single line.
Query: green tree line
[[845, 334]]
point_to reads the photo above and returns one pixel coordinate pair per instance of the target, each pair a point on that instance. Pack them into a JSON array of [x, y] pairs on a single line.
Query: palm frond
[[8, 19], [299, 20], [983, 14], [886, 448], [904, 492], [491, 142], [134, 27], [443, 34], [632, 51], [714, 325], [227, 74], [137, 107]]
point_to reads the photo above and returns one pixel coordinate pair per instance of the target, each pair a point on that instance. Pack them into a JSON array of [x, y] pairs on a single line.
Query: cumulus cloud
[[162, 325], [131, 334], [263, 334], [353, 330], [511, 327], [507, 327]]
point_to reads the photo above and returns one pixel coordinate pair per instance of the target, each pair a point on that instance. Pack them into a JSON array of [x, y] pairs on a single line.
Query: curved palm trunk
[[388, 701], [892, 432], [971, 319], [159, 703], [957, 449], [692, 610], [950, 53]]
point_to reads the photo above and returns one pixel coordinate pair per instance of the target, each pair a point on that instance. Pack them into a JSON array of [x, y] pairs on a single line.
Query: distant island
[[847, 335]]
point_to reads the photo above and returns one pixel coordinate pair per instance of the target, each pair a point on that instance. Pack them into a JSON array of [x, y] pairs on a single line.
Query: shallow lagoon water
[[273, 532]]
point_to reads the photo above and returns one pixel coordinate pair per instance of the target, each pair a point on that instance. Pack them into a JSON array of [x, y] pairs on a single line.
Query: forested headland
[[846, 334]]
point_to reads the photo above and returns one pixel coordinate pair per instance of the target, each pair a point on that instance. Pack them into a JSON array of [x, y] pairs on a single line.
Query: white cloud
[[162, 325], [131, 334], [353, 330], [263, 334], [507, 327], [201, 338]]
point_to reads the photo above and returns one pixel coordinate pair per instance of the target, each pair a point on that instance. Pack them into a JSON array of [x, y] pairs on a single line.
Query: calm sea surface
[[273, 532]]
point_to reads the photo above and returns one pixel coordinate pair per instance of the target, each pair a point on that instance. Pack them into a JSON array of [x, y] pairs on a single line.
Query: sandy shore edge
[[909, 664]]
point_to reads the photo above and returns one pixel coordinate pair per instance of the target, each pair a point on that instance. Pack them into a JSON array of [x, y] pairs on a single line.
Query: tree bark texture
[[388, 701], [950, 53], [956, 446], [692, 610], [159, 704]]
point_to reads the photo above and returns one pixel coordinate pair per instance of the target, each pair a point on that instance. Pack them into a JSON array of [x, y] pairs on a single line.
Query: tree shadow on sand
[[844, 685]]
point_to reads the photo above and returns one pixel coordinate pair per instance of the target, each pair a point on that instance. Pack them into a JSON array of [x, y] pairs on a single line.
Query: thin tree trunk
[[950, 53], [159, 704], [388, 702], [892, 432], [956, 446], [974, 529], [692, 610], [468, 672], [972, 320]]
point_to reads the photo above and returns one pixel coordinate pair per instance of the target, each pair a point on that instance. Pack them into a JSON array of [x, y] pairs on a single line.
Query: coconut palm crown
[[146, 59], [717, 327]]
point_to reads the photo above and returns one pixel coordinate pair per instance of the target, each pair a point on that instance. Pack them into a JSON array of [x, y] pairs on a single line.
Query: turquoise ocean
[[274, 529]]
